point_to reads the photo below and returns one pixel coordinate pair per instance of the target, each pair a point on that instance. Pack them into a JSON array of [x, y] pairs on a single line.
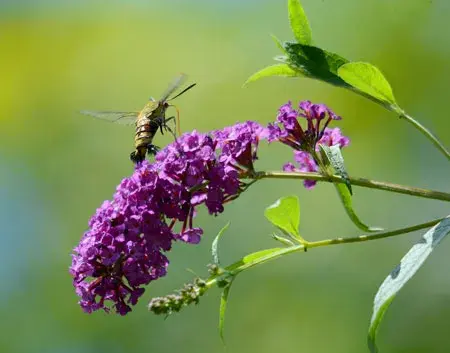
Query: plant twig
[[380, 185]]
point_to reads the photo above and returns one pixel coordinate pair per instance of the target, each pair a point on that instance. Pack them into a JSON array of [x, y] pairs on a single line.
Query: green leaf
[[368, 79], [285, 214], [343, 189], [247, 259], [334, 156], [331, 156], [299, 22], [258, 257], [273, 70], [223, 308], [316, 63], [278, 43], [408, 266], [215, 244], [346, 199]]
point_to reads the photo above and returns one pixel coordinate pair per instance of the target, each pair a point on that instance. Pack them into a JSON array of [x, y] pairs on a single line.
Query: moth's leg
[[167, 127]]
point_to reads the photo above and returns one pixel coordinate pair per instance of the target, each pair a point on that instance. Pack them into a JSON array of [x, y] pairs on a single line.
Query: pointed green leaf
[[285, 214], [408, 266], [334, 156], [223, 308], [249, 259], [316, 63], [258, 257], [368, 79], [273, 70], [215, 244], [278, 43], [346, 199], [330, 157], [299, 22], [343, 189]]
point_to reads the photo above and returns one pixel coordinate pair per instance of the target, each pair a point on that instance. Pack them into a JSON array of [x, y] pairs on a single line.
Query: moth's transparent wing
[[177, 82], [124, 118]]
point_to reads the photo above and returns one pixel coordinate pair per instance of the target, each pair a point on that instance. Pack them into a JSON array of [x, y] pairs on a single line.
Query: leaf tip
[[368, 79], [299, 22], [278, 43], [215, 244]]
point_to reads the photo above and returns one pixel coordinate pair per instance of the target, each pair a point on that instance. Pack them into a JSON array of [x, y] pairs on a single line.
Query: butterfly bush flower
[[239, 144], [125, 245], [305, 142]]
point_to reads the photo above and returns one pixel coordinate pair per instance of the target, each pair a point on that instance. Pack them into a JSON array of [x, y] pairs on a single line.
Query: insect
[[147, 121]]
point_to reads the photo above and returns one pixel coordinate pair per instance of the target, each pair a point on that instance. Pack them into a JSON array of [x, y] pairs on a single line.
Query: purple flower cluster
[[239, 144], [124, 246], [305, 142]]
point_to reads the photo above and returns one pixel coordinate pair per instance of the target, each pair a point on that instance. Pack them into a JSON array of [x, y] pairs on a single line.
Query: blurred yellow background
[[57, 167]]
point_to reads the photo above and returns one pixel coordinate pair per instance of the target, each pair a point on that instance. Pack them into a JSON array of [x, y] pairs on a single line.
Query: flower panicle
[[125, 246]]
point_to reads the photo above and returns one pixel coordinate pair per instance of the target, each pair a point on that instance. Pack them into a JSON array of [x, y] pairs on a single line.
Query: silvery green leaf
[[407, 268]]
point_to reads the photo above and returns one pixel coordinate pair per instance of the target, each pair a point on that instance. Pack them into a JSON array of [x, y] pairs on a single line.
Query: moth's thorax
[[153, 109]]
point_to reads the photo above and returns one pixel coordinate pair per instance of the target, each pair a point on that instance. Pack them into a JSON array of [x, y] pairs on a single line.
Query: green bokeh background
[[57, 167]]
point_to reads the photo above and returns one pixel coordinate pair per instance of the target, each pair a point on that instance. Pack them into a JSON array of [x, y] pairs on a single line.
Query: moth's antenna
[[183, 91]]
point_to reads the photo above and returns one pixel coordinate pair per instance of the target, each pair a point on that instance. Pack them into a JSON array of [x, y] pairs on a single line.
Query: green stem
[[396, 109], [361, 238], [427, 133], [237, 267], [401, 189]]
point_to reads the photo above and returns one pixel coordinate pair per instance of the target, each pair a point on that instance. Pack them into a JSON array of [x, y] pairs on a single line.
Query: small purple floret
[[305, 142], [239, 144]]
